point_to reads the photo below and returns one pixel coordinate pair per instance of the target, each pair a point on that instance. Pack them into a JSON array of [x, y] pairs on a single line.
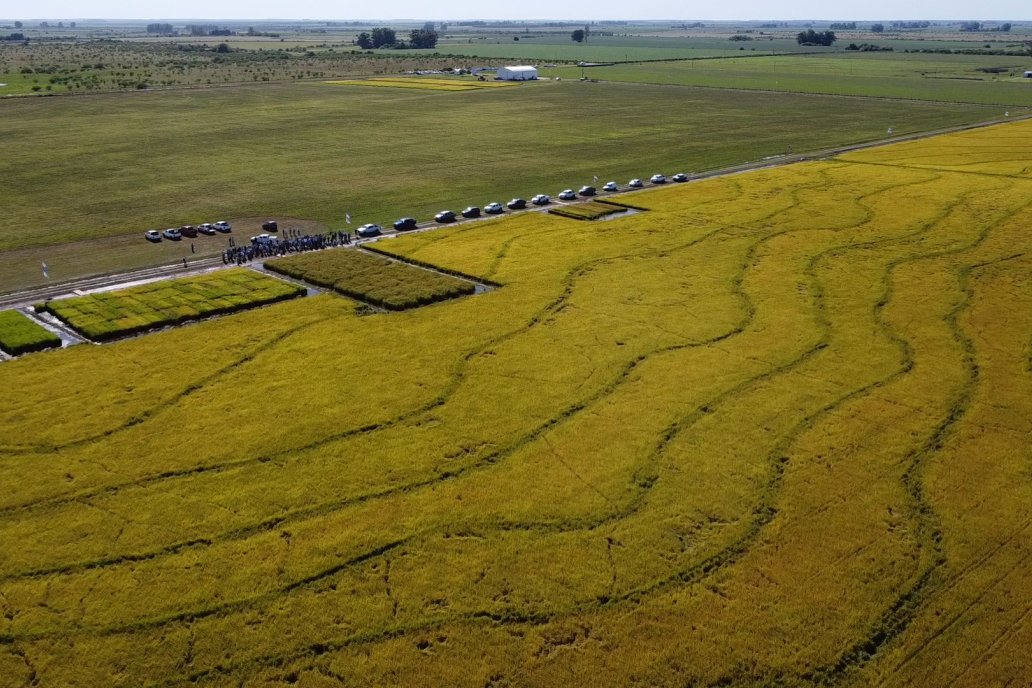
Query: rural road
[[37, 294]]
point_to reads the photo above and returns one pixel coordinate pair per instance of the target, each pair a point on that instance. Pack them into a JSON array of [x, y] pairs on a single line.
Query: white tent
[[521, 73]]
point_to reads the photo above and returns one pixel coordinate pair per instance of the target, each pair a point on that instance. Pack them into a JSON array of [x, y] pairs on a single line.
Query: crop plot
[[19, 335], [386, 283], [775, 434], [592, 210], [117, 314], [424, 84]]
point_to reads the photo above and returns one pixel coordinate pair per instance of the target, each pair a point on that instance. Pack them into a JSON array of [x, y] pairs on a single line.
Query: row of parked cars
[[189, 231], [446, 216]]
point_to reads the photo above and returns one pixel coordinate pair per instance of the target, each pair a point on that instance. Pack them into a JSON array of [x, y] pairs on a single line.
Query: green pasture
[[107, 315], [19, 335], [954, 78], [374, 279], [107, 167]]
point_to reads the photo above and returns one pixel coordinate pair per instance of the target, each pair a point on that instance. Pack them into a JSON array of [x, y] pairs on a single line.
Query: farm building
[[522, 73], [1028, 75]]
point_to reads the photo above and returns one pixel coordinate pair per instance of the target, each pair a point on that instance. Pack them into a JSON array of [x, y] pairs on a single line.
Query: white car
[[369, 230], [610, 186], [657, 179], [222, 226], [152, 235], [636, 183], [567, 195], [172, 233], [493, 208], [541, 199]]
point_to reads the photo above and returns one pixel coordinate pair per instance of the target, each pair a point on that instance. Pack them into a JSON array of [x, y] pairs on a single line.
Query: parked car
[[405, 224], [494, 208], [680, 177], [270, 226], [444, 216], [370, 230], [567, 195], [223, 226], [516, 204], [471, 212], [610, 186], [206, 228], [172, 233], [541, 199], [657, 179], [188, 231], [587, 191], [152, 235]]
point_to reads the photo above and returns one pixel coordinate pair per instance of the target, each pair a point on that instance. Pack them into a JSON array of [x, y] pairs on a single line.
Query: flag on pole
[[347, 218], [46, 271], [595, 178]]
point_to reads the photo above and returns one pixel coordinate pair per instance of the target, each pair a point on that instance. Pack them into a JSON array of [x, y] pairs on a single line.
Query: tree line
[[385, 37], [811, 37]]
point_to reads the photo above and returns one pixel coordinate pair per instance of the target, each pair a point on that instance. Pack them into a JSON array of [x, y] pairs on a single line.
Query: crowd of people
[[292, 241]]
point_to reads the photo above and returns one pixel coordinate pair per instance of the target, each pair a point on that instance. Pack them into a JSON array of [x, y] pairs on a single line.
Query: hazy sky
[[526, 9]]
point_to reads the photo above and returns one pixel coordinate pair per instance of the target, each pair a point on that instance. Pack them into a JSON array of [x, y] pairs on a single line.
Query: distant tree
[[17, 24], [159, 28], [970, 26], [71, 24], [877, 28], [14, 37], [577, 35], [811, 37], [44, 25], [515, 38], [422, 38], [428, 26], [364, 41], [60, 25], [444, 27], [843, 26], [1004, 27], [223, 48], [383, 36]]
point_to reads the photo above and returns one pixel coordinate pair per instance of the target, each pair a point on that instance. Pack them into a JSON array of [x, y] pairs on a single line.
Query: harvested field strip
[[404, 84], [377, 280], [451, 82], [538, 483], [19, 335], [591, 210], [171, 302]]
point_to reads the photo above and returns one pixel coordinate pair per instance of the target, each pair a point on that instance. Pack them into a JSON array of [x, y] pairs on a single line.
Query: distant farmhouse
[[521, 73], [1028, 75]]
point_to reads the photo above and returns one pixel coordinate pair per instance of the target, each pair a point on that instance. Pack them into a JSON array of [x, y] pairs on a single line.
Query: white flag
[[347, 218], [595, 178], [46, 272]]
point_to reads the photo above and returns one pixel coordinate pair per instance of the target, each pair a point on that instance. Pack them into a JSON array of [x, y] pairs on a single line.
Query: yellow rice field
[[774, 431]]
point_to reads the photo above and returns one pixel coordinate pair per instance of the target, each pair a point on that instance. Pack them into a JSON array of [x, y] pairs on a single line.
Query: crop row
[[389, 284], [124, 312]]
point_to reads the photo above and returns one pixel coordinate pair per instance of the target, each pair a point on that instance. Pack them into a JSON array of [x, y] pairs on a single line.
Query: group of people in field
[[293, 241]]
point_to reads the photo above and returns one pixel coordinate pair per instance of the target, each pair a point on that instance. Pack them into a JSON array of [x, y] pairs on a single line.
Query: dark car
[[188, 231], [405, 223], [270, 226], [471, 212], [680, 177], [587, 191], [445, 216], [516, 204]]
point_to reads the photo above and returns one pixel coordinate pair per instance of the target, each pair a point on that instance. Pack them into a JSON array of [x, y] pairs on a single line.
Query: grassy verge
[[19, 335], [129, 311], [385, 283]]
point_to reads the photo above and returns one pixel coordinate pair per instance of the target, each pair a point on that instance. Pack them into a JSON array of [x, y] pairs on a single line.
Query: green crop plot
[[19, 335], [374, 279], [108, 315], [773, 432], [955, 78]]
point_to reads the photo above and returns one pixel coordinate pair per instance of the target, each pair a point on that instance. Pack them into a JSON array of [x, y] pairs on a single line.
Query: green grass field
[[952, 78], [100, 170], [19, 335], [374, 279], [773, 432], [108, 315]]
